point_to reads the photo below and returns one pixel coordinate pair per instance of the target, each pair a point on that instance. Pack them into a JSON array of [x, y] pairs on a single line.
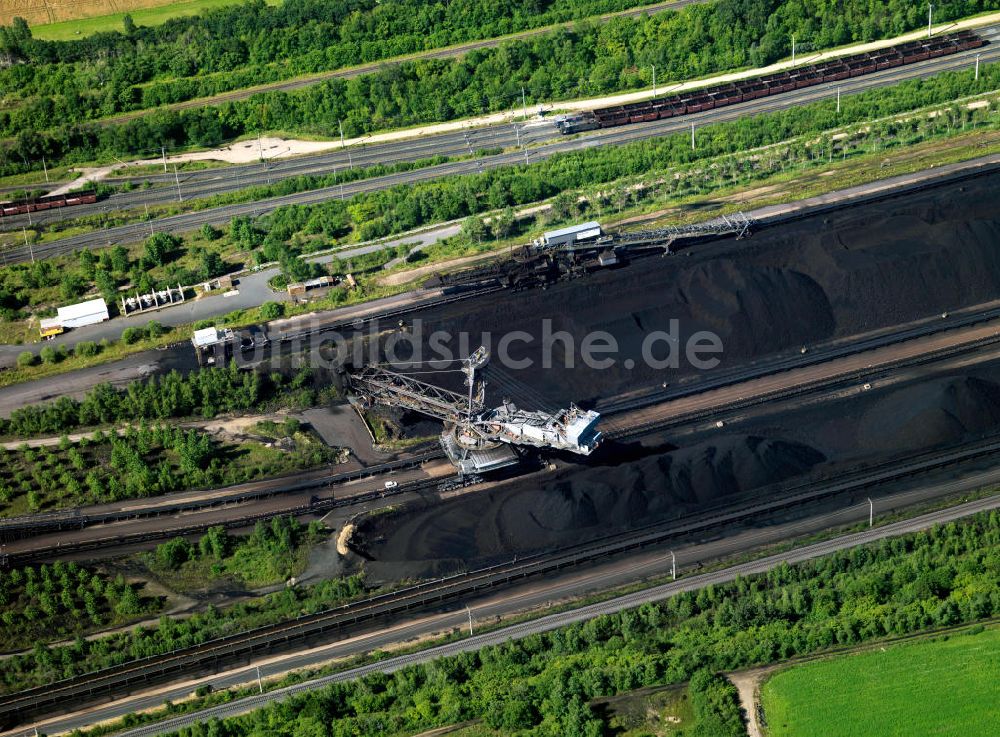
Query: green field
[[935, 687], [70, 29]]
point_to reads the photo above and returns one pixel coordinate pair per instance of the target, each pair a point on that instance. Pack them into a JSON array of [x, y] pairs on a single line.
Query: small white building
[[212, 345], [85, 313]]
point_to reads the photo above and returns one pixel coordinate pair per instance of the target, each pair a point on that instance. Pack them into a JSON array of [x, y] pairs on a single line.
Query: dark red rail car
[[48, 202], [754, 88]]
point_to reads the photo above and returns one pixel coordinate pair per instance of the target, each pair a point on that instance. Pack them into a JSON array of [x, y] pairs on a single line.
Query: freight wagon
[[755, 88], [48, 202]]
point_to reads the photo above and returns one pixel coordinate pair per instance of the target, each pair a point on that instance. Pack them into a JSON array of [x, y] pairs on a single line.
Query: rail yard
[[603, 436], [537, 140]]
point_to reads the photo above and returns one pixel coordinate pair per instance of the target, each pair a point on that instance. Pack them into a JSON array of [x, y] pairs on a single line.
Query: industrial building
[[74, 316], [212, 345]]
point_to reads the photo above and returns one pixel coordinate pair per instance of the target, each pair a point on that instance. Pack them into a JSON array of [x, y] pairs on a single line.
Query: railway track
[[29, 527], [120, 539], [211, 656], [610, 136]]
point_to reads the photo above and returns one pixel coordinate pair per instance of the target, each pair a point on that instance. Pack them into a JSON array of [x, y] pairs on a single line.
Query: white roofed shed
[[83, 313]]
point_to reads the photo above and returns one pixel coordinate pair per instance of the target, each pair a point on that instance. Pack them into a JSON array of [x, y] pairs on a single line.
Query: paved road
[[252, 291], [612, 136], [77, 383], [543, 593]]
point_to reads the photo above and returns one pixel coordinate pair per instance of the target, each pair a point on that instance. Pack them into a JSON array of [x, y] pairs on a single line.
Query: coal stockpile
[[821, 278], [578, 503], [626, 487], [814, 280]]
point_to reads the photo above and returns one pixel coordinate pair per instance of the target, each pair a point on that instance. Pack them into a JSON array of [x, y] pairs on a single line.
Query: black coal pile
[[824, 277], [580, 504]]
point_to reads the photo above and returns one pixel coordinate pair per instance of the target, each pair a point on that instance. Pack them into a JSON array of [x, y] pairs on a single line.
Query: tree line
[[588, 59], [46, 664], [404, 207], [250, 43], [143, 461], [206, 392], [543, 683]]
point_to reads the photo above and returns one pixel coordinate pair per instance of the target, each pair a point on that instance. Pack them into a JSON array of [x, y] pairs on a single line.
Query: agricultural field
[[946, 686], [60, 20]]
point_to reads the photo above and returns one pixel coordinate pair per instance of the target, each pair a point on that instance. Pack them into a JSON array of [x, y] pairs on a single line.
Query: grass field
[[63, 20], [935, 687]]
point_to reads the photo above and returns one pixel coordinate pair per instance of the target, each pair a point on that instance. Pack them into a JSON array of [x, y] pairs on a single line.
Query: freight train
[[709, 98], [48, 202]]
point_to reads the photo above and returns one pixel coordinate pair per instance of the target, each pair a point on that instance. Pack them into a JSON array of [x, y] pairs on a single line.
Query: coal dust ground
[[822, 278], [818, 279]]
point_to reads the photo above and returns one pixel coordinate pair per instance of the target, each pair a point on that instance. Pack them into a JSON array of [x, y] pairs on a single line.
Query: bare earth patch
[[748, 685]]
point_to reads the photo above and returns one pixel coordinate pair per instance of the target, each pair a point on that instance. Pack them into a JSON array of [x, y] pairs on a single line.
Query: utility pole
[[517, 132], [28, 244], [341, 124], [260, 683], [163, 153], [871, 513], [673, 566], [977, 79], [46, 168], [260, 148], [793, 49], [177, 180], [470, 620], [930, 18], [524, 105], [692, 136], [838, 99]]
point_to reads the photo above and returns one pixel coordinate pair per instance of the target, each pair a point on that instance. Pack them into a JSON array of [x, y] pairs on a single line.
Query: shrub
[[154, 329], [271, 310], [25, 359], [86, 348], [48, 354], [132, 335], [174, 553], [210, 232]]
